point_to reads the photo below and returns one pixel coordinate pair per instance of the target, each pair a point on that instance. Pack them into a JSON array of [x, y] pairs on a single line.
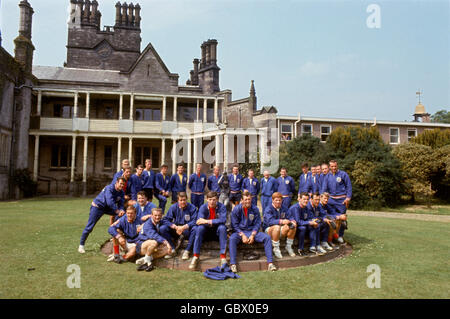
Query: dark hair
[[121, 179], [131, 207], [181, 195], [305, 165], [315, 194], [304, 194], [211, 194], [140, 166], [142, 193], [164, 165], [246, 194]]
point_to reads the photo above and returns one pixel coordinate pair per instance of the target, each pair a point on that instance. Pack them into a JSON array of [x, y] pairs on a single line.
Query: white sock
[[289, 242], [276, 244], [148, 259]]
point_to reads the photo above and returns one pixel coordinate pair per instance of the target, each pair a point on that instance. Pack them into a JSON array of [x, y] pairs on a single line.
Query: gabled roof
[[161, 62]]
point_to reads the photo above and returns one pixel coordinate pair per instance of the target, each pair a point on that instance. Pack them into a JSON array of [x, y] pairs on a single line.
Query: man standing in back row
[[338, 185]]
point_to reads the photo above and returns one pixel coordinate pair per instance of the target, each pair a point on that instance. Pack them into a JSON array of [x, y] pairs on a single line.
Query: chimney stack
[[124, 14], [23, 46], [137, 15], [131, 14]]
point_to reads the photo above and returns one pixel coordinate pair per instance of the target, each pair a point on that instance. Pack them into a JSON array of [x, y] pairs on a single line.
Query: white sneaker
[[171, 255], [290, 251], [277, 253], [81, 249], [320, 250], [223, 261], [110, 257], [140, 261], [325, 245], [233, 268], [340, 240], [193, 263], [271, 267], [313, 249], [185, 255]]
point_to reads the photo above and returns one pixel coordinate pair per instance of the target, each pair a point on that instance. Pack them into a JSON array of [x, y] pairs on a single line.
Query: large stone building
[[72, 125]]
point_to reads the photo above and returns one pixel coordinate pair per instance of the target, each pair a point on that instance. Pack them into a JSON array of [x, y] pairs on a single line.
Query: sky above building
[[337, 59]]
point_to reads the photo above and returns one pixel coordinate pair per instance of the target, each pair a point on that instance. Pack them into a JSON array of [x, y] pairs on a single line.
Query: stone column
[[225, 151], [72, 166], [75, 107], [174, 155], [120, 106], [198, 109], [39, 103], [130, 150], [163, 150], [195, 154], [85, 159], [88, 102], [219, 149], [189, 157], [164, 108], [119, 152], [205, 110], [132, 106], [175, 106], [36, 158], [216, 109]]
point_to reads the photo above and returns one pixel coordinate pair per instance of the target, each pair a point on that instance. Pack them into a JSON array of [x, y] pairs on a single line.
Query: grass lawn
[[44, 234], [421, 209]]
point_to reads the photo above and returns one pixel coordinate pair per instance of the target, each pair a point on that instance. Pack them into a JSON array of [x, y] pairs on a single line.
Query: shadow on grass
[[357, 241]]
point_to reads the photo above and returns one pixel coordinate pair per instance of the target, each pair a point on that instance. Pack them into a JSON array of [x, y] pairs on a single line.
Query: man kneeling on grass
[[211, 224], [246, 221], [150, 243], [124, 232]]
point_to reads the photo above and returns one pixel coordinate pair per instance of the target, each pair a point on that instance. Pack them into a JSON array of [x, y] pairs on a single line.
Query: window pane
[[147, 114], [139, 115], [186, 113], [326, 129], [210, 115], [146, 154], [64, 156], [286, 128], [109, 113], [67, 112], [56, 110], [307, 129], [156, 115]]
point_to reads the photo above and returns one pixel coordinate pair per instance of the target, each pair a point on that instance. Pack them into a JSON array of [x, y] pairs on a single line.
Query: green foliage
[[440, 175], [375, 173], [22, 179], [256, 165], [305, 148], [435, 138], [441, 116]]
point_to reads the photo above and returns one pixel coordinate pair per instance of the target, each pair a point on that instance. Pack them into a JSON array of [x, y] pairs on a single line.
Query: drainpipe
[[295, 125]]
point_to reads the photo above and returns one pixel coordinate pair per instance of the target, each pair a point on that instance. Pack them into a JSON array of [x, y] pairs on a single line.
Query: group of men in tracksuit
[[323, 198]]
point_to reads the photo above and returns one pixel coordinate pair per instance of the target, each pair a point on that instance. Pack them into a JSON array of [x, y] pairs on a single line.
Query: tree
[[305, 148], [434, 138], [441, 116]]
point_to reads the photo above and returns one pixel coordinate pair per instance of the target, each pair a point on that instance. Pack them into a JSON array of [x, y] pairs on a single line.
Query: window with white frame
[[412, 132], [325, 131], [60, 157], [307, 129], [286, 132], [394, 135]]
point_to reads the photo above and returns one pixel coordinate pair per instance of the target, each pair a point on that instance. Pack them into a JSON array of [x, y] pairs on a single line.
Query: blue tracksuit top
[[110, 200], [268, 187], [321, 178], [175, 184], [175, 215], [136, 184], [149, 178], [286, 186], [162, 183], [314, 212], [300, 214], [213, 183], [235, 186], [221, 213], [315, 184], [338, 184], [116, 176], [252, 187], [272, 216], [129, 229], [141, 212], [304, 183], [151, 231], [240, 223], [327, 210], [197, 184]]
